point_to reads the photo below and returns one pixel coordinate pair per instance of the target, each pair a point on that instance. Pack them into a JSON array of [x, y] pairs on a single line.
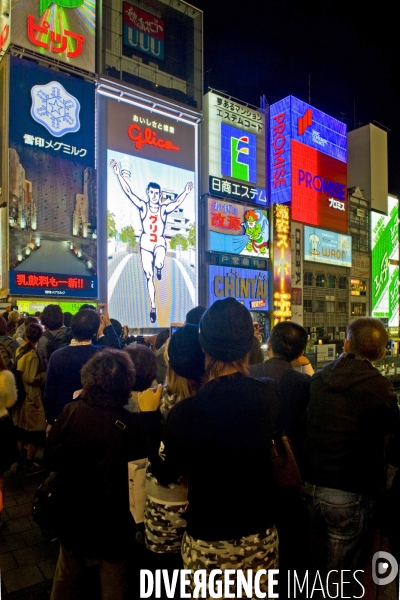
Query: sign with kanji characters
[[308, 164], [233, 150], [63, 30], [23, 283], [237, 229], [151, 202], [143, 31], [52, 181], [248, 286], [282, 297]]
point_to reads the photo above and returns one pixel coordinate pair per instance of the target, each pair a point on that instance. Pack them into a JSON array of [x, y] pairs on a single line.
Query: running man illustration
[[153, 215]]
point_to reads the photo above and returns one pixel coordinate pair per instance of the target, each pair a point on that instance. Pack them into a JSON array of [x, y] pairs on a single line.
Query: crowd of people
[[199, 408]]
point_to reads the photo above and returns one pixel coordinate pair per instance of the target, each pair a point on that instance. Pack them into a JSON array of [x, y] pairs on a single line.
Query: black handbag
[[285, 469], [46, 506]]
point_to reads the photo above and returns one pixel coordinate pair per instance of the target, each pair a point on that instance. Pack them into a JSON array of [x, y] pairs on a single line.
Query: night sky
[[350, 50]]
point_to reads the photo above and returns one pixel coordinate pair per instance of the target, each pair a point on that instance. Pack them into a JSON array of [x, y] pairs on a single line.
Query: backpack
[[55, 342], [7, 353]]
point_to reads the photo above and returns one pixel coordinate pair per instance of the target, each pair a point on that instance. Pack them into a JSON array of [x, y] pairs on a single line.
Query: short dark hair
[[85, 324], [87, 306], [161, 338], [256, 355], [33, 332], [288, 339], [3, 326], [28, 320], [155, 186], [67, 318], [145, 362], [117, 327], [52, 317], [367, 338], [194, 315], [108, 379]]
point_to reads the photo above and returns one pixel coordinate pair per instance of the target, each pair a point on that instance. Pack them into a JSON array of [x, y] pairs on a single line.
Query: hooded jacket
[[352, 408]]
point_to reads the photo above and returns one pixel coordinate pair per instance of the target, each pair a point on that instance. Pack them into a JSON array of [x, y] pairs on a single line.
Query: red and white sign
[[319, 189]]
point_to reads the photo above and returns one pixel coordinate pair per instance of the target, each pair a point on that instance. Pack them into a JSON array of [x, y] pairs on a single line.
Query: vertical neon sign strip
[[282, 264], [280, 152]]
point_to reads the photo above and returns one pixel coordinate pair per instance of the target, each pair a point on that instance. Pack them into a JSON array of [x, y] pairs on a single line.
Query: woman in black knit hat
[[220, 439]]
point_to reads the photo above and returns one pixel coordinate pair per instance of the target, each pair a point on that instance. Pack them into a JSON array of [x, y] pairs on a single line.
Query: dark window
[[307, 278], [320, 280]]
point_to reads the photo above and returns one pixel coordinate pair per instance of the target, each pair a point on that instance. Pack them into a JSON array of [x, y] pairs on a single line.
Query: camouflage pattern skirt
[[164, 526], [255, 552]]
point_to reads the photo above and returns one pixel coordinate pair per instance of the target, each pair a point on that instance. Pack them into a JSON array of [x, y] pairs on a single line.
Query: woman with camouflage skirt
[[219, 439]]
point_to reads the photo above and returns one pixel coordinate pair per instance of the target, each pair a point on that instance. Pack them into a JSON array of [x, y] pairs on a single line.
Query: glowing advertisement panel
[[319, 189], [5, 23], [384, 244], [237, 229], [151, 200], [143, 31], [248, 286], [282, 261], [63, 30], [294, 120], [234, 150], [327, 247], [31, 306], [52, 184]]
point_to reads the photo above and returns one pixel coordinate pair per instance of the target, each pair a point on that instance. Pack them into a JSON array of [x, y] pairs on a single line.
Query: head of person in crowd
[[20, 321], [3, 326], [256, 355], [287, 340], [5, 315], [108, 379], [8, 390], [13, 318], [38, 314], [67, 318], [145, 363], [117, 327], [87, 307], [85, 324], [194, 315], [52, 317], [28, 320], [161, 339], [226, 334], [366, 338], [33, 333], [185, 362]]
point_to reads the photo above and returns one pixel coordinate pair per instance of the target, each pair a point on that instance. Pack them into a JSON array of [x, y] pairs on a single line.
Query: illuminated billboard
[[237, 229], [327, 247], [385, 255], [33, 305], [143, 32], [63, 30], [52, 184], [151, 201], [308, 164], [248, 286], [282, 256], [4, 26], [233, 150]]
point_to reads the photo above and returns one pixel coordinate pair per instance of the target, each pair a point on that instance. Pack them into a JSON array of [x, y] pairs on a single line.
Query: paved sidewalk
[[27, 558]]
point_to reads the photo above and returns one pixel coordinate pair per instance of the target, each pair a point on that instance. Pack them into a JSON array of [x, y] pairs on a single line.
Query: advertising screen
[[282, 256], [52, 184], [31, 306], [4, 26], [384, 245], [60, 29], [237, 229], [151, 202], [327, 247], [297, 272], [234, 151], [248, 286], [308, 157]]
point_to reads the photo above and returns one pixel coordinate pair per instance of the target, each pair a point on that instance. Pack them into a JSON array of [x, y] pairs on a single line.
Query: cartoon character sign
[[256, 228]]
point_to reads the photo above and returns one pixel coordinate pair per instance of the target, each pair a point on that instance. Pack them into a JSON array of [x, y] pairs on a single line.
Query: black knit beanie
[[185, 355], [226, 330]]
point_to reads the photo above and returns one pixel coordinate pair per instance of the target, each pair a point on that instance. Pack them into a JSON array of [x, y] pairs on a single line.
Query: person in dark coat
[[89, 446]]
